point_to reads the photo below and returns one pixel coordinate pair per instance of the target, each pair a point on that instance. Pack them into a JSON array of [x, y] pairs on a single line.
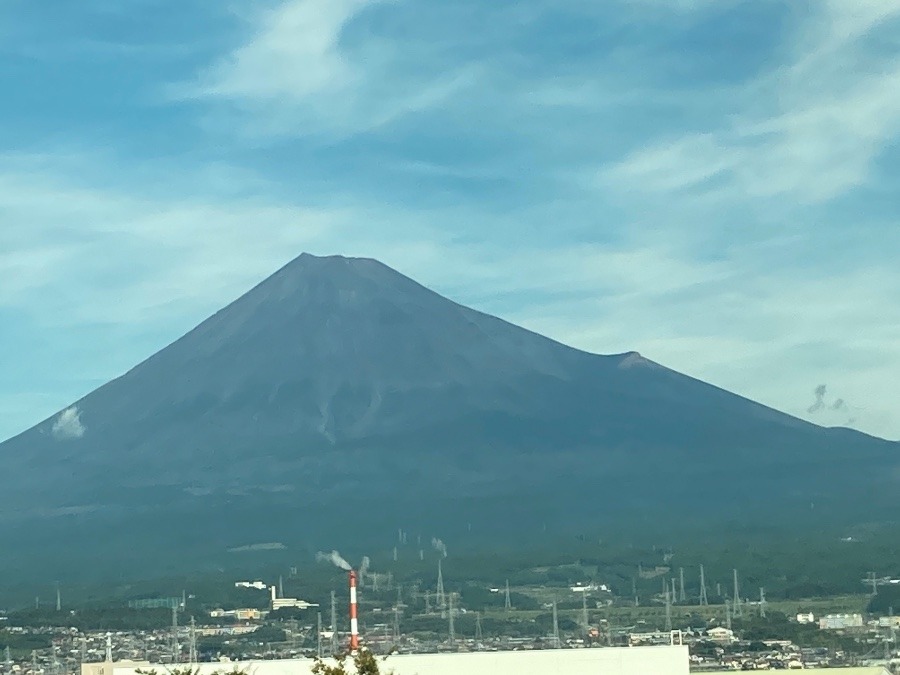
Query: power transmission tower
[[441, 598], [681, 596], [109, 654], [555, 626], [718, 590], [428, 602], [58, 598], [397, 624], [280, 586], [34, 661], [727, 614], [673, 590], [737, 597], [334, 627], [762, 603], [8, 660], [703, 599], [637, 602], [507, 604], [874, 583], [395, 554]]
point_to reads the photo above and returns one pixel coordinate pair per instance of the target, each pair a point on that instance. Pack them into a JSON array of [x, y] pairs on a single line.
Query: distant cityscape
[[737, 634]]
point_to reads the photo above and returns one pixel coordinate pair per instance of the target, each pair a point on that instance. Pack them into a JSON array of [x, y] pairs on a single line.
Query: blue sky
[[710, 182]]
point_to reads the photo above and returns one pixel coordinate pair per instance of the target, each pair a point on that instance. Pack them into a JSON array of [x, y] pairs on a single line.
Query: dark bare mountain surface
[[340, 390]]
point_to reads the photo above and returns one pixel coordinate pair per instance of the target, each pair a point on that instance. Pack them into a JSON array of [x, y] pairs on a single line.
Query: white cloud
[[807, 131], [294, 76], [68, 425]]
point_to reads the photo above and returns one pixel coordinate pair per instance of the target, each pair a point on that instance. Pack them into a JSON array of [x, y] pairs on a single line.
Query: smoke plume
[[820, 392], [335, 559], [439, 546], [68, 425]]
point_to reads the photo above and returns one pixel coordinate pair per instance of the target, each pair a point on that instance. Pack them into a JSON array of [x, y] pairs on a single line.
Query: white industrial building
[[841, 621], [663, 660]]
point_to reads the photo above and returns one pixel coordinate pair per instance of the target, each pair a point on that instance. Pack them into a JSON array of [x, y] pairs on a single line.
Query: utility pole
[[585, 622], [668, 611], [682, 598], [555, 626], [176, 648], [479, 631], [192, 654], [452, 626], [334, 627], [703, 599], [319, 635]]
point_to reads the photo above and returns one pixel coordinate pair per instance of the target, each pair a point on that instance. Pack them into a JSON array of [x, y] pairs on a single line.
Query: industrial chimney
[[354, 623]]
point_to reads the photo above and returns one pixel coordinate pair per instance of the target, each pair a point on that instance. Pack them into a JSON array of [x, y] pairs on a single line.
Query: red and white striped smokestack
[[354, 617]]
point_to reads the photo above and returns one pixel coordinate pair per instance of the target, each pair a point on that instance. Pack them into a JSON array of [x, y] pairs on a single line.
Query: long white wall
[[610, 661]]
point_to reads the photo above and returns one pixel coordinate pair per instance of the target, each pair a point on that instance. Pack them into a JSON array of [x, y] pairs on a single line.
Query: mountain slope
[[338, 383]]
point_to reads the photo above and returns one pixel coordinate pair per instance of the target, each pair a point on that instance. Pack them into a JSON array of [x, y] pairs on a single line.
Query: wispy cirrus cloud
[[807, 131]]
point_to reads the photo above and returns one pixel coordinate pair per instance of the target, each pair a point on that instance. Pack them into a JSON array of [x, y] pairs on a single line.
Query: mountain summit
[[339, 388]]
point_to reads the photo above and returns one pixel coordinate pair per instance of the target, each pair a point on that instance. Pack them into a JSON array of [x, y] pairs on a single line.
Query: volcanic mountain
[[340, 391]]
